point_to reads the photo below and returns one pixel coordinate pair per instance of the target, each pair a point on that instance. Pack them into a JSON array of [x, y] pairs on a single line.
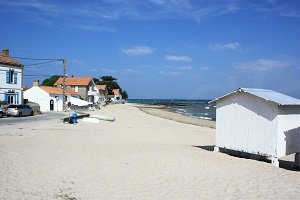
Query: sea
[[196, 108]]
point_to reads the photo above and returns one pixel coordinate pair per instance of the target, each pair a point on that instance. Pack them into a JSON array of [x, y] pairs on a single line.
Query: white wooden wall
[[288, 130], [247, 123]]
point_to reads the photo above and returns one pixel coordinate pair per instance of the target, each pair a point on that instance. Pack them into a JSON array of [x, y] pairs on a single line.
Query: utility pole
[[64, 83]]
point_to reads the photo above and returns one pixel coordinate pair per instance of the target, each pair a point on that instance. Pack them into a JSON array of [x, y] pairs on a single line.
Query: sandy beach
[[138, 156]]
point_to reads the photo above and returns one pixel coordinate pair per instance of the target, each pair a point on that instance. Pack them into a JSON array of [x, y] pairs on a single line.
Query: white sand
[[138, 156]]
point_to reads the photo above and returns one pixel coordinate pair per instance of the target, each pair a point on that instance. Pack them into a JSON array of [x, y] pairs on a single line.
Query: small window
[[76, 88], [11, 76]]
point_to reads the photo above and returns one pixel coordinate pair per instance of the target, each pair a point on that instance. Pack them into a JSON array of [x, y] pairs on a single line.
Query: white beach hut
[[259, 121]]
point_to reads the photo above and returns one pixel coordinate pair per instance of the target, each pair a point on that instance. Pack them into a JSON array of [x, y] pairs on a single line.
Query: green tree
[[124, 95], [108, 78], [50, 81], [109, 81]]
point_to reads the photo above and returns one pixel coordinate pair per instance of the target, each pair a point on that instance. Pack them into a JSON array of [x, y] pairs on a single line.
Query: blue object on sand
[[74, 118]]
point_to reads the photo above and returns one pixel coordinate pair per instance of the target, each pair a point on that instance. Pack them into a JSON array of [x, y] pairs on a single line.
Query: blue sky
[[181, 49]]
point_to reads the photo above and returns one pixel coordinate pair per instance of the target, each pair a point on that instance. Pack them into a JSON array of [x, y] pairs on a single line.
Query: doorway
[[51, 105]]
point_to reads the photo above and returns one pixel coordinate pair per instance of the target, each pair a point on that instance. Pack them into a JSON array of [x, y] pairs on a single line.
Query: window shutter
[[15, 77], [7, 76]]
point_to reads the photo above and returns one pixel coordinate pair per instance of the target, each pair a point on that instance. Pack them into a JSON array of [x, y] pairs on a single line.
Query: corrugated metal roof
[[269, 95]]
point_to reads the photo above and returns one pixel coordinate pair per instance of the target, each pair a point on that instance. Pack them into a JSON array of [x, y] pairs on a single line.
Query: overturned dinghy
[[97, 118]]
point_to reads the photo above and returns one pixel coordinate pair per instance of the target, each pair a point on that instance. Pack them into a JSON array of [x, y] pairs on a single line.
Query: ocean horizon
[[195, 108]]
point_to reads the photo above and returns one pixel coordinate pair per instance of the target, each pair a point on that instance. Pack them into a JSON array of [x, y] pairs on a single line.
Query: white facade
[[11, 80], [101, 95], [47, 102], [248, 123], [92, 94], [50, 102]]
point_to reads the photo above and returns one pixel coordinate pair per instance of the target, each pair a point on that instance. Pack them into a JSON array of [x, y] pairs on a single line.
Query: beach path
[[139, 156]]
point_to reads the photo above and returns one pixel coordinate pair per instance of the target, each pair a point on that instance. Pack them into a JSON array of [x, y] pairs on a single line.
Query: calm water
[[197, 108]]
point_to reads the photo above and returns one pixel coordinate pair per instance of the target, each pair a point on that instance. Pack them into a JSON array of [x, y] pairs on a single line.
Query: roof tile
[[56, 90], [4, 59], [74, 81]]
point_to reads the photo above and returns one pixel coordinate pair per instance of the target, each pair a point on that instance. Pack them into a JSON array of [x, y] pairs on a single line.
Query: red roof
[[116, 91], [4, 59], [85, 81], [56, 90]]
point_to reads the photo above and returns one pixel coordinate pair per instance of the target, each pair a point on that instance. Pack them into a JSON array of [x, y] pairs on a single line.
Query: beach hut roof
[[269, 95]]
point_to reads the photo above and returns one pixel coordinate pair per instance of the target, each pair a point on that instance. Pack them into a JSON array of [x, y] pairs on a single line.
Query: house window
[[11, 76], [11, 97], [76, 88]]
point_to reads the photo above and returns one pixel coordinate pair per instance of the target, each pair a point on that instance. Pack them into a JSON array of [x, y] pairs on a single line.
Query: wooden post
[[64, 84]]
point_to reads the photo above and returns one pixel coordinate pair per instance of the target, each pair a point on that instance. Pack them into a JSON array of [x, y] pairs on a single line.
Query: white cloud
[[171, 73], [225, 46], [131, 71], [94, 70], [103, 69], [186, 67], [76, 61], [263, 65], [204, 68], [174, 73], [178, 58], [94, 28], [138, 50], [74, 12]]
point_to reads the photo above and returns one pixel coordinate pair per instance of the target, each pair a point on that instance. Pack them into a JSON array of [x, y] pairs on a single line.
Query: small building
[[259, 121], [117, 96], [84, 86], [51, 98], [11, 79], [102, 93]]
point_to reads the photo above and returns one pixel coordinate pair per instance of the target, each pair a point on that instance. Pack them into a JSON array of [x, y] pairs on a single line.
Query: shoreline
[[167, 113]]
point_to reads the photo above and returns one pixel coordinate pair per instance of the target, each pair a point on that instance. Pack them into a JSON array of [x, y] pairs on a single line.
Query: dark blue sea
[[196, 108]]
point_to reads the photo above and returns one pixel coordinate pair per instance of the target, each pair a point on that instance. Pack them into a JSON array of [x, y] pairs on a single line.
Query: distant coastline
[[193, 108]]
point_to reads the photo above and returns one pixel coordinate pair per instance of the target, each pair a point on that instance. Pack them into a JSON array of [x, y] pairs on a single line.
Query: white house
[[259, 121], [84, 86], [11, 79], [51, 98], [117, 96], [102, 93]]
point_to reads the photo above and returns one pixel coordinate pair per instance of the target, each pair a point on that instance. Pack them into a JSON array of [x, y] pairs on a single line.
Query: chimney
[[5, 51], [35, 83]]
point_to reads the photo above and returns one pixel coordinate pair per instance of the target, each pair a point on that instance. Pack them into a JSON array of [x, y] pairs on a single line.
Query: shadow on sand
[[288, 165]]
